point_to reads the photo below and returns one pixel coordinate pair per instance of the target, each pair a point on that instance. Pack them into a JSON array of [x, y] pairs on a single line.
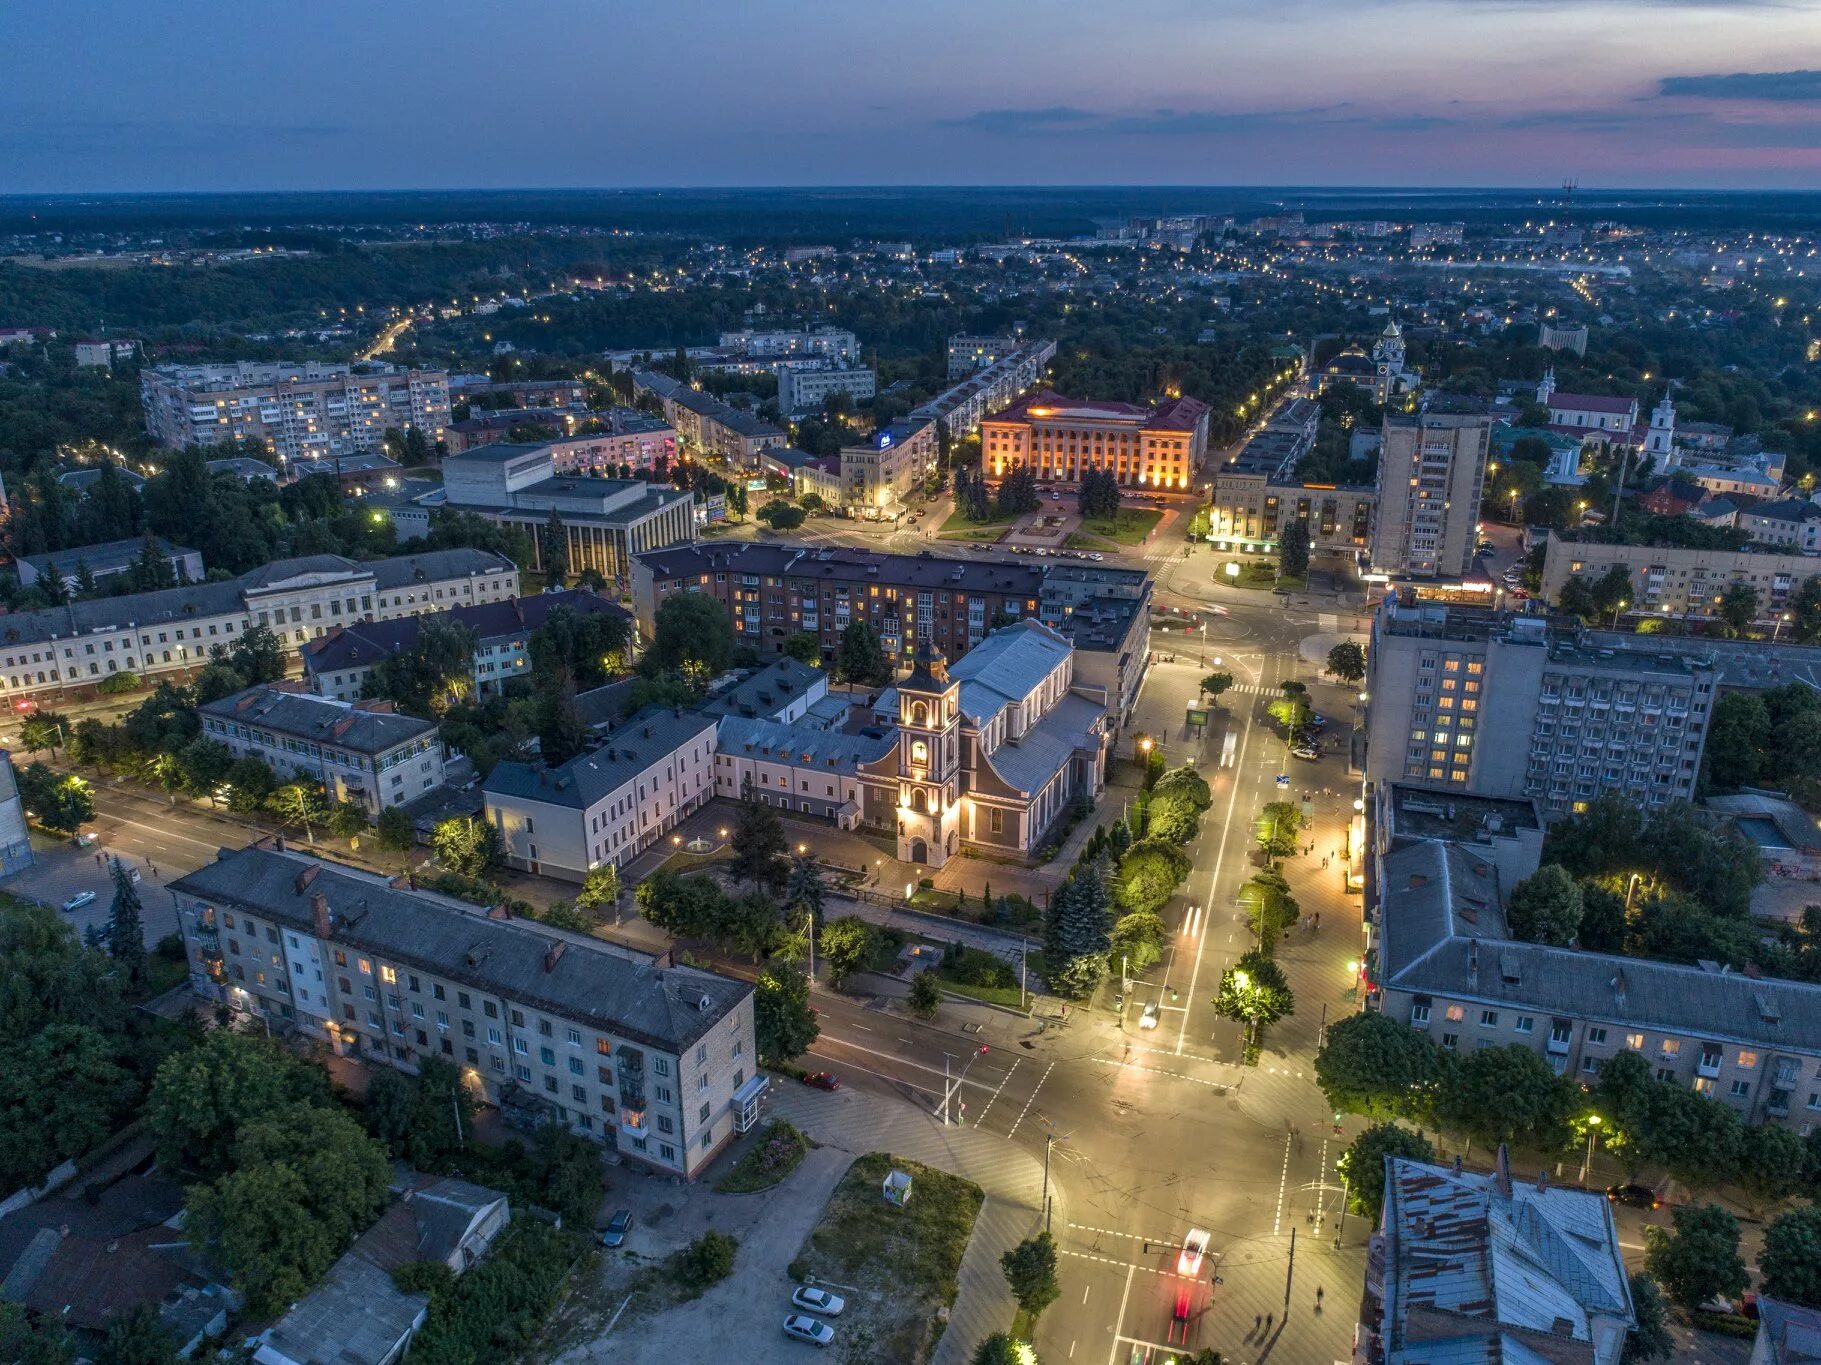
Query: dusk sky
[[206, 95]]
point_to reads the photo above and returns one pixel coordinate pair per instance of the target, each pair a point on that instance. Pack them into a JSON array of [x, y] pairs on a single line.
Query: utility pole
[[1048, 1140], [456, 1105], [1345, 1194], [1289, 1274]]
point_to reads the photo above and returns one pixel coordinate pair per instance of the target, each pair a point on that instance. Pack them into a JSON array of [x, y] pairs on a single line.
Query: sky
[[171, 95]]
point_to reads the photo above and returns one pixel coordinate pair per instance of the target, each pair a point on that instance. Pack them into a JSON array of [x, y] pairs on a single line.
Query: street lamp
[[1593, 1132]]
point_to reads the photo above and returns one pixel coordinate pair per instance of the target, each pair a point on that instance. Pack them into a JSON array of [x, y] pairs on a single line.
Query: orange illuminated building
[[1060, 439]]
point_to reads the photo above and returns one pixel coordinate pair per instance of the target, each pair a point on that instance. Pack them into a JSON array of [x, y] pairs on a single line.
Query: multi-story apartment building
[[295, 411], [15, 837], [656, 1062], [1478, 1267], [1061, 439], [523, 393], [589, 442], [1788, 524], [171, 631], [1431, 475], [606, 521], [1576, 714], [772, 591], [363, 752], [806, 389], [833, 344], [967, 354], [883, 470], [337, 664], [706, 426], [607, 805], [963, 406], [1678, 582], [1442, 961]]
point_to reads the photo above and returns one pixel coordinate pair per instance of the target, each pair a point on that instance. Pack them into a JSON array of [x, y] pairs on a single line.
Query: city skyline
[[1619, 94]]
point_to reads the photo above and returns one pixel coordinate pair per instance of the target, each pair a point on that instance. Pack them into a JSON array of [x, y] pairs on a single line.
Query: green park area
[[1128, 526], [959, 527]]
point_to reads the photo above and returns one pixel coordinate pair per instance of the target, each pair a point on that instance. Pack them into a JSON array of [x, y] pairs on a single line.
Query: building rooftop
[[802, 746], [366, 643], [1028, 764], [1591, 402], [1479, 1267], [1788, 1333], [766, 691], [1430, 813], [107, 558], [806, 562], [1100, 624], [359, 727], [620, 757], [569, 975], [495, 452], [1007, 666]]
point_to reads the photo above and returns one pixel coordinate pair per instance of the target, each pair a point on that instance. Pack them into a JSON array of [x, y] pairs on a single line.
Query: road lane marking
[[989, 1104], [154, 829], [1159, 1071], [1033, 1096], [1119, 1322], [1283, 1182], [1220, 859]]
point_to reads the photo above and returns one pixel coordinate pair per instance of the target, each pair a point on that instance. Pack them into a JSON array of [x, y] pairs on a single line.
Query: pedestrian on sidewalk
[[1318, 1294]]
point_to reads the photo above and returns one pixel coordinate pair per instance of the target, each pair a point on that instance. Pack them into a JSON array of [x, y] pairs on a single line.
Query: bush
[[706, 1261], [117, 683], [779, 1151], [496, 1309], [977, 967]]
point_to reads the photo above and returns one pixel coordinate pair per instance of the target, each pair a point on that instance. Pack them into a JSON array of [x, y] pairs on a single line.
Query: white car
[[818, 1301], [77, 901], [1148, 1019], [1189, 1261], [808, 1329]]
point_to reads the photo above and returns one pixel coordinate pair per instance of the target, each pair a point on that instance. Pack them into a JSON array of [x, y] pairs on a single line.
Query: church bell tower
[[929, 760]]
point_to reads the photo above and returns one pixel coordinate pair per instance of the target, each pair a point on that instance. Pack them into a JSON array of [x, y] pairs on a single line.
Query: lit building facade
[[1060, 439]]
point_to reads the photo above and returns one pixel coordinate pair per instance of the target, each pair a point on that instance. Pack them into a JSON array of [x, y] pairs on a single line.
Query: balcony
[[1709, 1064], [1777, 1106]]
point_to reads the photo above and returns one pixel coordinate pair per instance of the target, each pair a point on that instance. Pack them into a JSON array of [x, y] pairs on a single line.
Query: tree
[[847, 946], [1216, 683], [258, 655], [1371, 1064], [1362, 1165], [138, 1337], [299, 803], [600, 890], [65, 1095], [925, 995], [1030, 1270], [1076, 931], [1280, 826], [758, 845], [784, 1025], [1507, 1094], [553, 546], [466, 846], [707, 1260], [1739, 607], [690, 638], [202, 1097], [561, 735], [204, 764], [1017, 493], [250, 784], [804, 647], [1790, 1261], [386, 1107], [1347, 661], [397, 833], [441, 1115], [1772, 1164], [1650, 1338], [126, 928], [861, 660], [1137, 941], [43, 730], [1254, 993], [1001, 1348], [257, 1222], [1737, 739], [1293, 549], [1545, 907], [1699, 1259], [1270, 907], [346, 820], [60, 803], [1148, 876]]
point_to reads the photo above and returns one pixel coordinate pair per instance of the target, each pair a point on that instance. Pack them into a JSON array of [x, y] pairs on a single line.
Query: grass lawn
[[1129, 527], [901, 1262], [958, 527], [986, 976], [777, 1152], [1263, 575]]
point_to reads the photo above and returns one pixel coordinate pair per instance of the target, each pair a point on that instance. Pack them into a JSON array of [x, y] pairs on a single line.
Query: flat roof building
[[1061, 439], [1431, 477]]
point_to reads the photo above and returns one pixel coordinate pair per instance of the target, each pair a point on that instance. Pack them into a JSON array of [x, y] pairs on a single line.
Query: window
[[1524, 1023], [1456, 1013], [1419, 1015], [1747, 1059], [1741, 1089], [1489, 1018], [660, 1066], [702, 1054], [1451, 1041], [1672, 1047], [574, 1037], [1591, 1065], [1596, 1035], [1635, 1041], [546, 1056]]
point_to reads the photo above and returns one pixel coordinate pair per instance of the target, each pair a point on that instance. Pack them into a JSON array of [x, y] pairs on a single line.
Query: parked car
[[818, 1301], [822, 1080], [809, 1329], [1148, 1018], [1188, 1262], [1316, 721], [614, 1234], [1636, 1196], [1307, 752], [77, 901]]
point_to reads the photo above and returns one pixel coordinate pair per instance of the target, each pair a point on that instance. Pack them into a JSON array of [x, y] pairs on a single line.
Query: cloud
[[1058, 118], [1800, 87]]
